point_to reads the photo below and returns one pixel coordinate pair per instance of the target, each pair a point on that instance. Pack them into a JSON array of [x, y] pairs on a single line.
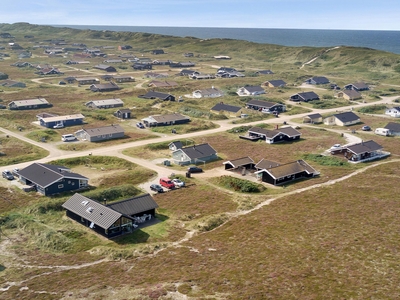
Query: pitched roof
[[314, 116], [277, 82], [288, 131], [347, 117], [265, 72], [359, 85], [162, 83], [134, 205], [392, 126], [291, 168], [239, 162], [306, 96], [104, 130], [266, 164], [92, 211], [226, 107], [153, 95], [254, 88], [169, 118], [262, 103], [45, 174], [210, 91], [319, 79], [352, 94], [364, 147], [198, 151]]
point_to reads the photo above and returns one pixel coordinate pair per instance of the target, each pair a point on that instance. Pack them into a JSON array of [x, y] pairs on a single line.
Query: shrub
[[113, 193], [240, 185], [372, 109]]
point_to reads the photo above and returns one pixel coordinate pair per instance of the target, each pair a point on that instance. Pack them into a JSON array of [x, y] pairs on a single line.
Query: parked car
[[194, 169], [336, 147], [140, 125], [178, 183], [166, 182], [157, 188], [62, 83], [7, 175], [365, 128], [68, 137], [59, 125], [15, 171]]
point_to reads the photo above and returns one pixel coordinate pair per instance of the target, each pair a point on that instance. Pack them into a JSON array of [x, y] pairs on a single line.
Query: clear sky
[[310, 14]]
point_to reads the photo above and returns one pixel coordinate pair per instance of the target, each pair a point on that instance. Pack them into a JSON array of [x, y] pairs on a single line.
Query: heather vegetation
[[222, 235]]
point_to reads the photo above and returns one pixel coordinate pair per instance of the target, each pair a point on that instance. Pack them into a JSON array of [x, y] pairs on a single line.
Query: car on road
[[336, 147], [365, 128], [59, 125], [140, 125], [7, 175], [194, 169], [156, 188], [178, 183]]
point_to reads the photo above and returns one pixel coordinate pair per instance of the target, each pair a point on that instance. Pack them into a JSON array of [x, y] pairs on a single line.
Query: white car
[[59, 125], [178, 182], [336, 147]]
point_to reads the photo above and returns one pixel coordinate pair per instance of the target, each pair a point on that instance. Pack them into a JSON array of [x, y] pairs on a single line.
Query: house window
[[60, 186], [69, 181]]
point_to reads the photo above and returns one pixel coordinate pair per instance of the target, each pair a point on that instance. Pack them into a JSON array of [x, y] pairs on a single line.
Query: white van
[[68, 137], [382, 131]]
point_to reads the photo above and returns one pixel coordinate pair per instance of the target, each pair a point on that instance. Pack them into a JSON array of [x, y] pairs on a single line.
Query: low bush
[[113, 193], [240, 185], [372, 109]]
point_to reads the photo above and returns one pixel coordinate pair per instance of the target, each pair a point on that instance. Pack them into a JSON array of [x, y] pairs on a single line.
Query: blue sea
[[375, 39]]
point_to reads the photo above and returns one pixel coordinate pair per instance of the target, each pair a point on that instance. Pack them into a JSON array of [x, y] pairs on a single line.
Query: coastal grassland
[[338, 240], [16, 151]]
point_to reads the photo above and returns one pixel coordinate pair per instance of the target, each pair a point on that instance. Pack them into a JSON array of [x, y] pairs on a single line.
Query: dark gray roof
[[320, 79], [358, 86], [262, 103], [254, 88], [199, 151], [154, 95], [277, 82], [265, 72], [92, 211], [288, 131], [347, 117], [266, 164], [291, 169], [306, 96], [364, 147], [314, 116], [240, 161], [226, 107], [45, 174], [177, 144], [392, 126], [135, 205]]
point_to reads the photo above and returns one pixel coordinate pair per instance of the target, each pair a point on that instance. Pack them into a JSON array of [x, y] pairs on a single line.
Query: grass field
[[334, 236]]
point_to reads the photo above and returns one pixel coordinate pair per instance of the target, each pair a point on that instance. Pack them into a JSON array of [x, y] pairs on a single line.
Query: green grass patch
[[323, 160], [48, 135], [373, 109]]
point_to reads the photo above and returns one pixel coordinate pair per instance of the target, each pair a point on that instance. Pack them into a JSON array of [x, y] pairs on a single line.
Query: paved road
[[116, 150]]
